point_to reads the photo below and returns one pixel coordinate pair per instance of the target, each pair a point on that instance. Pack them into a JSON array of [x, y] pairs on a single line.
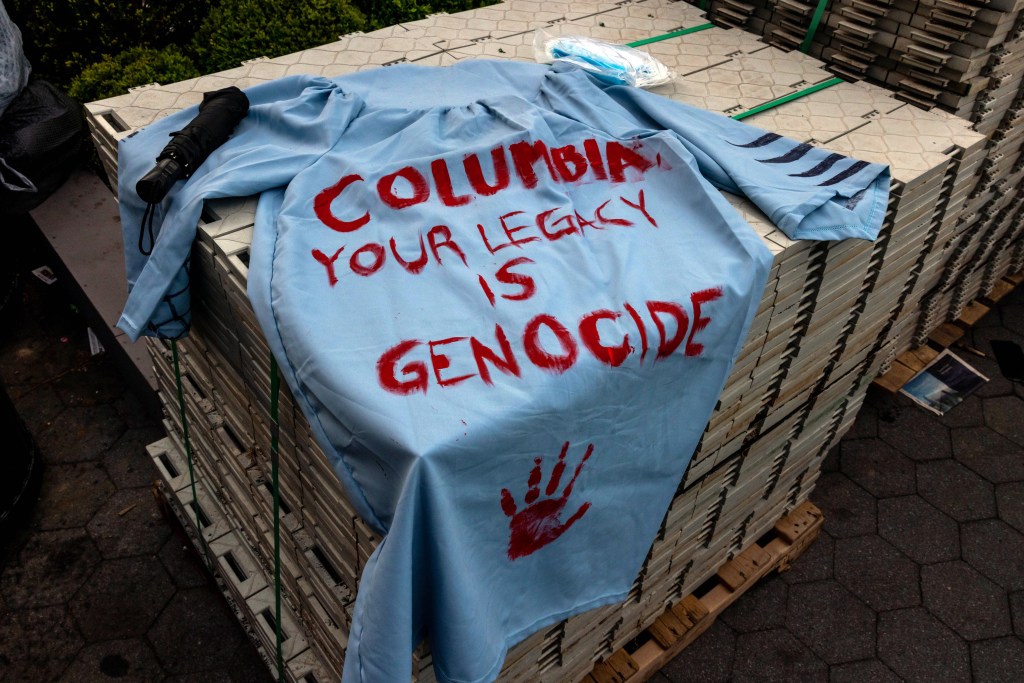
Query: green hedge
[[99, 48], [137, 66], [237, 30], [62, 37], [380, 13]]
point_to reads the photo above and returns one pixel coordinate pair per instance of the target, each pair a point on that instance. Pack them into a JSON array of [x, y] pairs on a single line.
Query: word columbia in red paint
[[411, 365], [409, 185]]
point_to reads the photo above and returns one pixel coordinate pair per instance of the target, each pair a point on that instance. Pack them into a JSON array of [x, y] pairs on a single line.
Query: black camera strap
[[146, 230]]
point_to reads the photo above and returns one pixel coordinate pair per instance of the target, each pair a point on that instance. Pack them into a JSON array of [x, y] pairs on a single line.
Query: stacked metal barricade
[[832, 316], [965, 57]]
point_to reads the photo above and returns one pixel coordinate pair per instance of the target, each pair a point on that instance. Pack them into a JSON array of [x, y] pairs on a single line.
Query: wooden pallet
[[684, 621], [944, 336]]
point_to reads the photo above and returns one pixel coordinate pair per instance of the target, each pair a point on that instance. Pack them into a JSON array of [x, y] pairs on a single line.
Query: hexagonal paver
[[196, 632], [957, 491], [998, 660], [133, 411], [965, 600], [997, 384], [815, 563], [709, 658], [967, 414], [182, 562], [215, 676], [81, 433], [918, 647], [918, 529], [859, 672], [831, 621], [762, 607], [991, 455], [122, 598], [1010, 504], [91, 384], [39, 408], [126, 461], [37, 644], [73, 493], [1005, 414], [916, 434], [849, 510], [129, 524], [876, 573], [1012, 315], [775, 655], [51, 567], [878, 467], [889, 406], [32, 363], [130, 661], [866, 424], [1017, 613], [996, 550]]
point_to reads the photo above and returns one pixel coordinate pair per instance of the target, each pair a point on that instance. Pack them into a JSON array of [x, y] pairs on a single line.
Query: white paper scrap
[[94, 343]]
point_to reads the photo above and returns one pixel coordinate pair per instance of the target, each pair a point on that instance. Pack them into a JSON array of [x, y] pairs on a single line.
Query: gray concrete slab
[[81, 219], [81, 225]]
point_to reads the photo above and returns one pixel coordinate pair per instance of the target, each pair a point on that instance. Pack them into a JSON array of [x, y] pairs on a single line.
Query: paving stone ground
[[918, 574]]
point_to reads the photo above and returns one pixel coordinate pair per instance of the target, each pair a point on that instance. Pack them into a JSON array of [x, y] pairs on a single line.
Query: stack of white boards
[[933, 52], [832, 316], [966, 58]]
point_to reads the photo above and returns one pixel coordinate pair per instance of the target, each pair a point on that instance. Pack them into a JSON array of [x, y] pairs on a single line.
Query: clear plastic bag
[[609, 62]]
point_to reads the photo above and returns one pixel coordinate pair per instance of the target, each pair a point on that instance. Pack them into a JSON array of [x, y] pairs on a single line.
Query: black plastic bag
[[41, 142]]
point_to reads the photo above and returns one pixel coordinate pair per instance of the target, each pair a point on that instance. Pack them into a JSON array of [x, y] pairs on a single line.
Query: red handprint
[[539, 523]]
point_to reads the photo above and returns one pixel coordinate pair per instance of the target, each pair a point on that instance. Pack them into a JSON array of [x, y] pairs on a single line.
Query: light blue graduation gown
[[506, 297]]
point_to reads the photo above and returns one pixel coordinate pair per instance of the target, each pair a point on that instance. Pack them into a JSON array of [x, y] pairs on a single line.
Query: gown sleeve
[[290, 124], [807, 191]]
